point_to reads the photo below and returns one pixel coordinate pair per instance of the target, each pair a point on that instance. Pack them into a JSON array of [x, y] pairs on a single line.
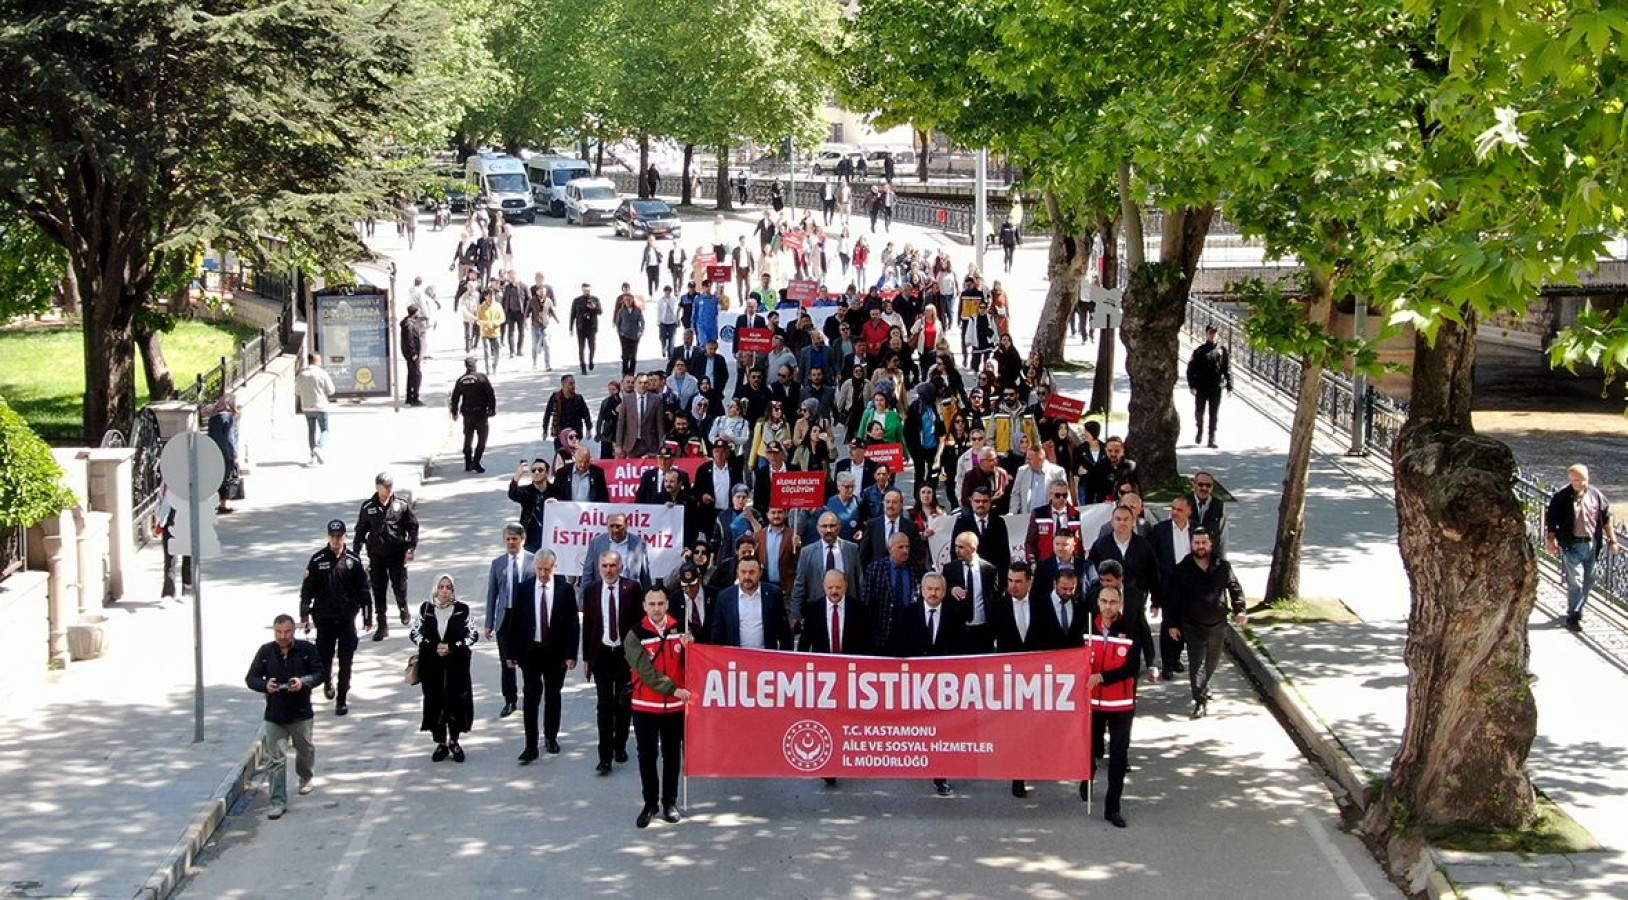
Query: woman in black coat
[[445, 633], [222, 429], [605, 426]]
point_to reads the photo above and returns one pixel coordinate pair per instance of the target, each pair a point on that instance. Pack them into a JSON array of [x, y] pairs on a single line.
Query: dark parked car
[[642, 218], [446, 185]]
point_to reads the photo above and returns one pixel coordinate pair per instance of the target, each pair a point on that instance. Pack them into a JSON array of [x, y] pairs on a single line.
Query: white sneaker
[[305, 787]]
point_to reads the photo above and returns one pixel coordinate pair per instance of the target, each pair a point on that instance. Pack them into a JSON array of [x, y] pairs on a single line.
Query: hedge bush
[[30, 479]]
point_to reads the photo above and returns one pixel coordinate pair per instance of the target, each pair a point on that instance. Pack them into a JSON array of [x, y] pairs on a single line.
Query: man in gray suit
[[821, 556], [631, 547], [507, 570], [639, 428]]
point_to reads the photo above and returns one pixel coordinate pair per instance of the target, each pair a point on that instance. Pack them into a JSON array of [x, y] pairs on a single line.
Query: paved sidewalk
[[1352, 678]]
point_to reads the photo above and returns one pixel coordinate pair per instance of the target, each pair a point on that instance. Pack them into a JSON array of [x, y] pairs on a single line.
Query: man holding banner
[[609, 609]]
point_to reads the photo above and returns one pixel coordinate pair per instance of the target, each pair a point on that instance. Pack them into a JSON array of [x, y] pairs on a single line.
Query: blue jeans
[[539, 341], [1577, 561], [316, 428]]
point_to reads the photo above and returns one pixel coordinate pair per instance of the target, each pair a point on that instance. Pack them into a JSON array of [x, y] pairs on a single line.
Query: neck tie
[[542, 615], [890, 527], [982, 524], [1062, 613], [932, 625], [836, 628], [514, 571], [610, 615], [1020, 612], [830, 557]]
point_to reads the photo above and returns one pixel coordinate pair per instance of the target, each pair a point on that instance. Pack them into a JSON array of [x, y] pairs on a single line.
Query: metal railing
[[951, 217], [248, 361], [1382, 420]]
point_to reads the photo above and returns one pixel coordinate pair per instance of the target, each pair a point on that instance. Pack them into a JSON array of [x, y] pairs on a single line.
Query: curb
[[169, 874], [1324, 745]]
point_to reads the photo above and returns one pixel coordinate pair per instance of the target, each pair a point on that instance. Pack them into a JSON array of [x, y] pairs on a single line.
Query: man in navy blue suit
[[751, 614]]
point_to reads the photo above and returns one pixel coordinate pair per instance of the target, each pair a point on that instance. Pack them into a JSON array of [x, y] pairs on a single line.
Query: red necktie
[[836, 628]]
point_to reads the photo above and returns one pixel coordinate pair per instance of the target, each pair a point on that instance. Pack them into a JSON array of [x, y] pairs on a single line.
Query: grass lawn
[[42, 369]]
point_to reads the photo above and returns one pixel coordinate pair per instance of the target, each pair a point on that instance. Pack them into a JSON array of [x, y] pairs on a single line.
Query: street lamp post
[[980, 208]]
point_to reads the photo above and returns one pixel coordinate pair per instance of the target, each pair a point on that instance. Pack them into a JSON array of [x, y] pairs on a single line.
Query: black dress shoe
[[551, 745], [528, 756], [405, 618], [1115, 819], [328, 691], [829, 782], [508, 710], [457, 753], [441, 752], [602, 769], [1085, 792], [340, 709], [479, 469], [621, 756], [669, 813], [1019, 789], [645, 815], [382, 632], [942, 787], [1199, 709]]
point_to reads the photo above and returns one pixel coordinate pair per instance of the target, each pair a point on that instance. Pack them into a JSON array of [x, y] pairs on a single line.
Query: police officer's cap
[[336, 526], [383, 478]]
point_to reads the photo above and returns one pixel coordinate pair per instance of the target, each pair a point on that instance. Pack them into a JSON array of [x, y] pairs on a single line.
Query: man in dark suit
[[714, 483], [640, 427], [753, 395], [687, 353], [1209, 511], [990, 528], [693, 602], [653, 482], [1135, 553], [828, 553], [763, 474], [973, 584], [833, 610], [1014, 622], [873, 542], [750, 317], [579, 481], [751, 614], [926, 627], [1172, 542], [890, 583], [540, 635], [1059, 615], [712, 365], [1065, 554], [610, 607], [864, 469]]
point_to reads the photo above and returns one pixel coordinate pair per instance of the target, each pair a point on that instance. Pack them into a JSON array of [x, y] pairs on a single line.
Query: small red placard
[[797, 490], [803, 291], [754, 340], [720, 274], [792, 240], [1065, 408], [890, 455]]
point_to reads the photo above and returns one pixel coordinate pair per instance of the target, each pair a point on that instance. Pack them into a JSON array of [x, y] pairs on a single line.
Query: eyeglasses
[[1203, 484], [1059, 496]]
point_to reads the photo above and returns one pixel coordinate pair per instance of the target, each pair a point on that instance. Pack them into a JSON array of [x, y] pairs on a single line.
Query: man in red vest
[[1112, 685], [656, 649]]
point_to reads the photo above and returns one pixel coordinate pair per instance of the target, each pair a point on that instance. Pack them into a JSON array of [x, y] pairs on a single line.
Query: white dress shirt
[[751, 616], [1020, 615]]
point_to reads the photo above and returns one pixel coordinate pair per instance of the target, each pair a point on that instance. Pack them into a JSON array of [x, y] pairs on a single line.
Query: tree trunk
[[110, 365], [725, 196], [686, 196], [1065, 271], [924, 137], [1470, 714], [150, 340], [68, 293], [1283, 578], [644, 166], [1102, 379], [599, 160], [1155, 307]]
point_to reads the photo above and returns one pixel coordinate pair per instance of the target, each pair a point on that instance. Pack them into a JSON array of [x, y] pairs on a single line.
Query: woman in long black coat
[[445, 633]]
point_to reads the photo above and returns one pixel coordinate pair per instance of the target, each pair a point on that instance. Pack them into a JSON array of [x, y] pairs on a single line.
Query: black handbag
[[234, 488]]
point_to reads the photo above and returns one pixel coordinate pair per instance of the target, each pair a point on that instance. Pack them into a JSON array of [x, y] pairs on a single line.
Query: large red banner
[[768, 714], [622, 475]]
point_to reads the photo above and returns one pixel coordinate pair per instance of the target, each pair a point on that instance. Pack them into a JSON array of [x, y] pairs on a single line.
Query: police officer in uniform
[[388, 529], [472, 396], [333, 591]]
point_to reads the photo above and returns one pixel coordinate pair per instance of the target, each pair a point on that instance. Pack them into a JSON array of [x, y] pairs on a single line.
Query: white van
[[548, 176], [500, 182], [590, 200]]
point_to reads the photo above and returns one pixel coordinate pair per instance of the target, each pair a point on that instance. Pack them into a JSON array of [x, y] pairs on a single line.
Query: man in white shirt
[[667, 319], [314, 387], [750, 613]]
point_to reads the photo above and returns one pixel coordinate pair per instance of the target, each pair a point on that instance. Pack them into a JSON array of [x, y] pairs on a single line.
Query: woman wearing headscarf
[[222, 428], [923, 431], [444, 633]]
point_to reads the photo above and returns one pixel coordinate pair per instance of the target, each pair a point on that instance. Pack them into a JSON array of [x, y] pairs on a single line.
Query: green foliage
[[30, 481], [31, 267]]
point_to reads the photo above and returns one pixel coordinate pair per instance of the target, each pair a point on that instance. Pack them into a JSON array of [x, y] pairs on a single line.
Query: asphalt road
[[1221, 807]]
